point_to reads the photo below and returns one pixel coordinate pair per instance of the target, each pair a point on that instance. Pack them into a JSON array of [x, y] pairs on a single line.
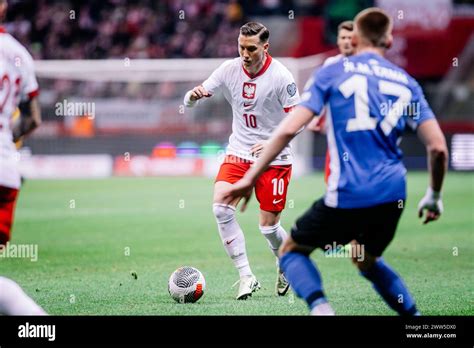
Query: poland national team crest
[[249, 90]]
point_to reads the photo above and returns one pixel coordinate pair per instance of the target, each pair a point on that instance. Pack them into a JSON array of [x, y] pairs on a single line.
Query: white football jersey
[[259, 103], [17, 83]]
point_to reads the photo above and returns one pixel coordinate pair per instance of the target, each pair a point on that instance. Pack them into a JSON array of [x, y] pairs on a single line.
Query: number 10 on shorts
[[278, 186]]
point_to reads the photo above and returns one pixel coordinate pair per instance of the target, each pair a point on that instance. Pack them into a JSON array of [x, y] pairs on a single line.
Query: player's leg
[[7, 207], [318, 227], [271, 229], [304, 276], [380, 232], [14, 301], [388, 284], [271, 190], [275, 234], [229, 230], [231, 234]]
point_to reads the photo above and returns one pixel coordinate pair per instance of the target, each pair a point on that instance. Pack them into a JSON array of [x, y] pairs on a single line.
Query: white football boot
[[282, 285], [247, 286]]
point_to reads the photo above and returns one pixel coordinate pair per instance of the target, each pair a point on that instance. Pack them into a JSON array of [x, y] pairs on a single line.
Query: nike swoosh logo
[[229, 241], [247, 105], [276, 202]]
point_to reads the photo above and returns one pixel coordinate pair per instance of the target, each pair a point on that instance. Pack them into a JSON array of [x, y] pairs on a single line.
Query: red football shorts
[[271, 186], [7, 206]]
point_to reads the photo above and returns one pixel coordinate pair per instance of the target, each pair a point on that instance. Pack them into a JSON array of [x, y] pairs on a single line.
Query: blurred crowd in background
[[87, 29], [433, 41], [116, 28]]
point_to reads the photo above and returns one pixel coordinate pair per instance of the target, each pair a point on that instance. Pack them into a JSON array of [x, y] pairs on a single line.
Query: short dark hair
[[348, 25], [255, 28], [374, 25]]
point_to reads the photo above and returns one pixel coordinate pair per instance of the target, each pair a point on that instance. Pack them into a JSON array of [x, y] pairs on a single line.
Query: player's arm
[[288, 97], [208, 87], [29, 120], [317, 125], [432, 137], [192, 96], [285, 132]]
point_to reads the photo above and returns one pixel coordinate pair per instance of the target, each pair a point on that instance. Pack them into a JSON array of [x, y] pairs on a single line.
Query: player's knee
[[287, 246], [269, 218], [223, 212], [269, 222], [364, 264]]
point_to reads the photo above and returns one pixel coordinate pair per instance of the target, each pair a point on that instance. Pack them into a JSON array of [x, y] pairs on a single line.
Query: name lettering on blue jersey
[[369, 103], [375, 69]]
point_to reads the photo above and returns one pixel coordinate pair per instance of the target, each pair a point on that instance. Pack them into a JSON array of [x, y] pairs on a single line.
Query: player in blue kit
[[369, 103]]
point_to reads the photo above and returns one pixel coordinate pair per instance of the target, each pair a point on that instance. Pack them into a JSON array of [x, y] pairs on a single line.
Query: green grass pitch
[[84, 230]]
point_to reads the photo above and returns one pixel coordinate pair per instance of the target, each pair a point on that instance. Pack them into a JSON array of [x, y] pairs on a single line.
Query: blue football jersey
[[369, 101]]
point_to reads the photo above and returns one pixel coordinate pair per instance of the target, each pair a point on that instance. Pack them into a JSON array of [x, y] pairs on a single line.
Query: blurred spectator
[[267, 7], [88, 29]]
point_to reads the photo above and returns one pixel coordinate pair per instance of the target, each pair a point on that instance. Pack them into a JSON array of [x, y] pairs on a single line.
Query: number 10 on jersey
[[250, 120]]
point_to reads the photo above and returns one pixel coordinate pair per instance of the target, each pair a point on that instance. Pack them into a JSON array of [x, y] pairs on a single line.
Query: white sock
[[275, 236], [14, 301], [232, 237]]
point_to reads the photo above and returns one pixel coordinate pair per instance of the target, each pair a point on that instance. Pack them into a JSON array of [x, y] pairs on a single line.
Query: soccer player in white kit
[[18, 88], [261, 92]]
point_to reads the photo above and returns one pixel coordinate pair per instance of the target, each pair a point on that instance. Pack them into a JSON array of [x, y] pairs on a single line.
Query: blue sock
[[391, 287], [304, 278]]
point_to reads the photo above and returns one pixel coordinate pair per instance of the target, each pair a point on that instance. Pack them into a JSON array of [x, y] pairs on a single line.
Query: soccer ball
[[186, 285]]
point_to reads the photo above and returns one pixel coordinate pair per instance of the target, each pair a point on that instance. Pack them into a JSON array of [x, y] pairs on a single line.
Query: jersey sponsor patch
[[291, 89]]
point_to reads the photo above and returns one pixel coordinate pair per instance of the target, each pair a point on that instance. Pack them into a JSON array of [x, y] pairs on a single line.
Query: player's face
[[3, 9], [252, 51], [344, 38]]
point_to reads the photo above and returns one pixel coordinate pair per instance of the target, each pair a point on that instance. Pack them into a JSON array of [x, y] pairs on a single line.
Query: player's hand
[[257, 149], [317, 124], [314, 125], [199, 92], [433, 205], [241, 189]]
